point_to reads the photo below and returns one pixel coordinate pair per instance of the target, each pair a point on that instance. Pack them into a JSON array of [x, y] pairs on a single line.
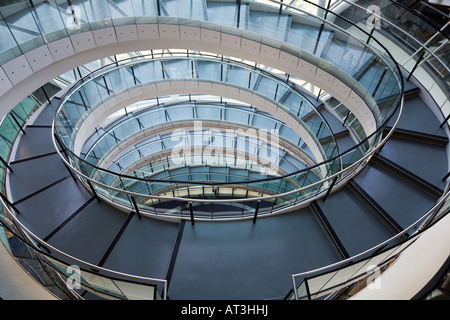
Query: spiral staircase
[[319, 247]]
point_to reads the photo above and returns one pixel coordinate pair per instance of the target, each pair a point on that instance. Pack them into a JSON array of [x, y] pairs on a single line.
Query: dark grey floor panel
[[37, 141], [427, 161], [355, 225], [46, 210], [46, 116], [145, 248], [418, 117], [402, 201], [242, 260], [30, 176], [90, 233]]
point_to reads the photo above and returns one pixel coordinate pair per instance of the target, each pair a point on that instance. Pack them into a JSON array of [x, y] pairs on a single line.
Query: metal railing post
[[379, 82], [17, 122], [158, 6], [6, 164], [191, 211], [238, 13], [136, 208], [329, 189], [8, 202], [416, 65], [346, 117], [256, 211], [307, 289], [93, 190]]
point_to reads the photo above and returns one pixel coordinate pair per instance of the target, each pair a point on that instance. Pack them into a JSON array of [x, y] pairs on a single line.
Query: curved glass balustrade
[[418, 46], [305, 26], [209, 117], [95, 91], [376, 73], [233, 150], [147, 194]]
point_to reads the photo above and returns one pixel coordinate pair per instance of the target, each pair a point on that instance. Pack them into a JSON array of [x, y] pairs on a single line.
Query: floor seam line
[[40, 190], [68, 219], [175, 252]]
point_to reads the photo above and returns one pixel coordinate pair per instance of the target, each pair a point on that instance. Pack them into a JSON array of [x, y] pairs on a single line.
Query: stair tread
[[406, 205], [36, 142], [27, 179], [418, 117], [46, 210], [130, 256], [353, 221], [418, 158]]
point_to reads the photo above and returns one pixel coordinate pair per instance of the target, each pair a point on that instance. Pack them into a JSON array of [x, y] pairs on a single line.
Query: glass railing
[[421, 48], [93, 91], [106, 83], [362, 270], [143, 126], [314, 30], [240, 153]]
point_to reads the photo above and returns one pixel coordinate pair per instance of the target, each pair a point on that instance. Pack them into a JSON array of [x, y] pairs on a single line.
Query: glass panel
[[134, 291], [48, 17], [302, 292], [23, 27]]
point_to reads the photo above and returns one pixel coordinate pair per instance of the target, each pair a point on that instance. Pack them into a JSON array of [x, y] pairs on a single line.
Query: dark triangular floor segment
[[242, 260]]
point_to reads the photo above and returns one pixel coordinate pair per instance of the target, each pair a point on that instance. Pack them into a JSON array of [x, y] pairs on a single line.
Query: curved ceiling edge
[[47, 62]]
